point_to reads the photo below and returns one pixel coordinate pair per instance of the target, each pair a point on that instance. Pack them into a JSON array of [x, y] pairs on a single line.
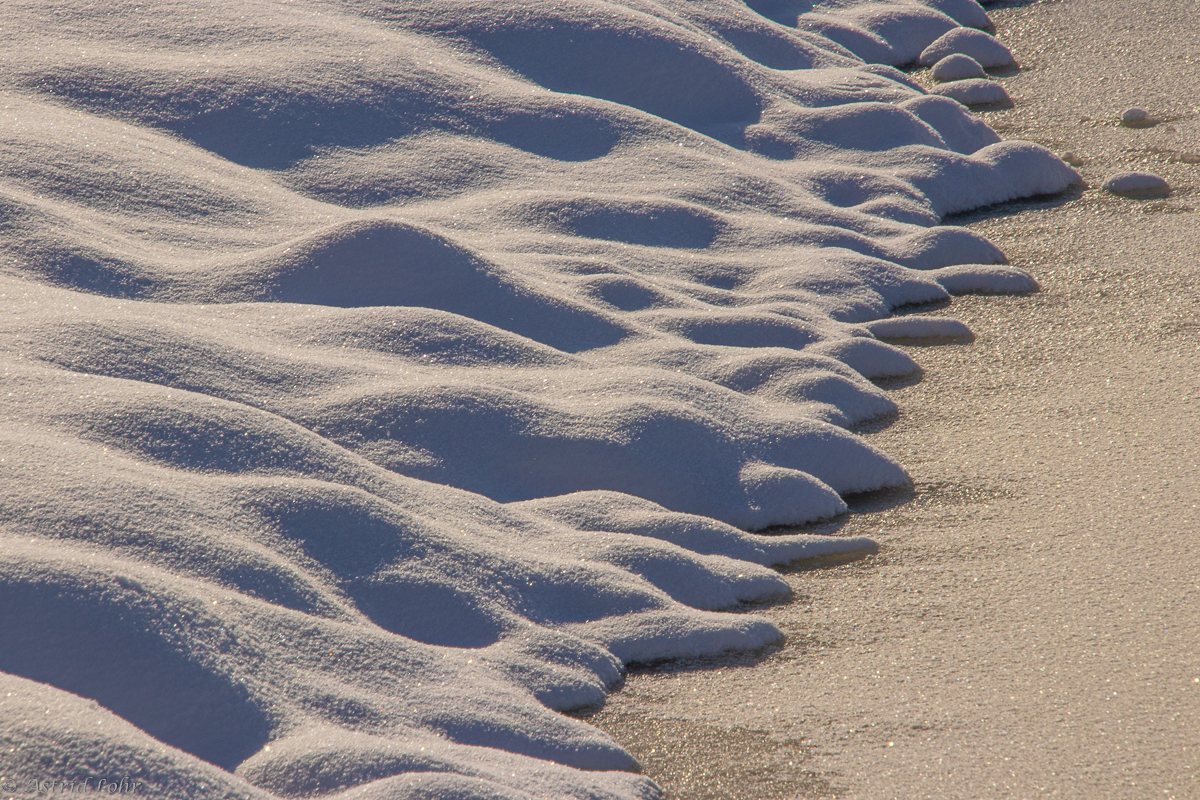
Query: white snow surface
[[984, 279], [382, 378], [973, 91], [1135, 183], [984, 48], [1135, 116], [957, 67], [918, 327]]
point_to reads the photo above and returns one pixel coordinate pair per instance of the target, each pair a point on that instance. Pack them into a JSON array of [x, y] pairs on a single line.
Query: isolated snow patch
[[1133, 183], [1135, 117]]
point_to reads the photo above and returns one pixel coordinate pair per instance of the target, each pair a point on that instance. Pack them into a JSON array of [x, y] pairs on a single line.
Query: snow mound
[[973, 92], [1019, 169], [983, 48], [1134, 183], [984, 279], [612, 512], [957, 67], [382, 382], [1135, 118], [919, 328], [883, 33], [963, 133], [968, 13]]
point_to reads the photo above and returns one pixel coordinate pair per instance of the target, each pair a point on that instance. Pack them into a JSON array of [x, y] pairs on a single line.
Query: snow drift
[[382, 378]]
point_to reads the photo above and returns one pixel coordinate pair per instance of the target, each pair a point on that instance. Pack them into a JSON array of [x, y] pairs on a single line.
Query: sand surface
[[1030, 627]]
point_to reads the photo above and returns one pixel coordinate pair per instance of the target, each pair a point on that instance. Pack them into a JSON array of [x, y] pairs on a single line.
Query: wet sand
[[1031, 624]]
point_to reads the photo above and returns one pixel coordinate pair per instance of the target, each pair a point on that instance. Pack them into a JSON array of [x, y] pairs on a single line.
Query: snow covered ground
[[381, 378], [1028, 627]]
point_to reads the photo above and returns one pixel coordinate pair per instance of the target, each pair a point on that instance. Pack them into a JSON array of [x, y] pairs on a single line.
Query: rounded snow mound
[[967, 13], [920, 328], [1136, 118], [984, 279], [973, 92], [957, 67], [983, 48], [1133, 183]]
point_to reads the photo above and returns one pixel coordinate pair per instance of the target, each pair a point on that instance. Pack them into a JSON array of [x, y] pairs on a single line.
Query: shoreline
[[1028, 627]]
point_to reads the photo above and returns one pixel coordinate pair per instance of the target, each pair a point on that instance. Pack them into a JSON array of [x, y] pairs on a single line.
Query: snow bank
[[382, 379]]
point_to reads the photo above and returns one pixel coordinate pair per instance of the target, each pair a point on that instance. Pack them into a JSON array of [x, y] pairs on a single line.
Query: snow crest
[[381, 379]]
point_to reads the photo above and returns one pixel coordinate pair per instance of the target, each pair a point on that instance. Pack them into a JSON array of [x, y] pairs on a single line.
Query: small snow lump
[[1135, 183], [984, 279], [956, 67], [973, 92], [919, 327], [985, 49], [1135, 117]]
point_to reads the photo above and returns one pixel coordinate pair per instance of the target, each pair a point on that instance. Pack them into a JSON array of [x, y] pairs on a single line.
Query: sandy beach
[[1030, 625]]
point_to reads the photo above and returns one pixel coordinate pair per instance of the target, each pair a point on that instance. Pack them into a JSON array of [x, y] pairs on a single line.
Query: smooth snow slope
[[381, 377]]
